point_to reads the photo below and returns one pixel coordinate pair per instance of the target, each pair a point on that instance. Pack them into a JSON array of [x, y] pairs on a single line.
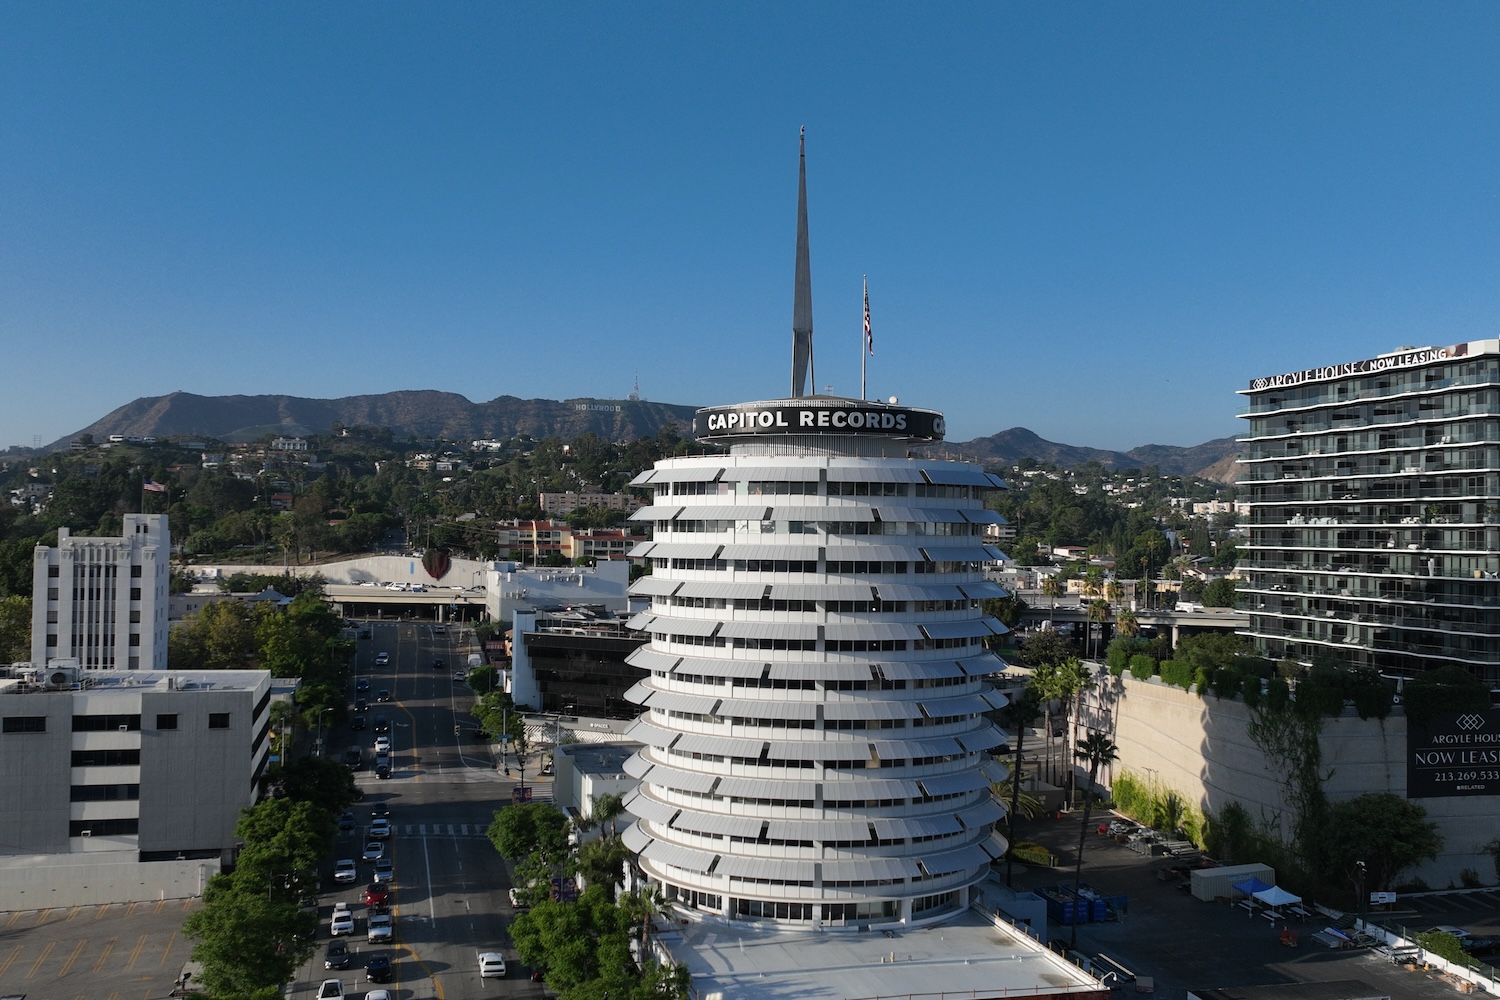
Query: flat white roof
[[968, 956]]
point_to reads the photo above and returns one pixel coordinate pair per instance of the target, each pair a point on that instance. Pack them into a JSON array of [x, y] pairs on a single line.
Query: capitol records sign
[[783, 417], [1456, 753]]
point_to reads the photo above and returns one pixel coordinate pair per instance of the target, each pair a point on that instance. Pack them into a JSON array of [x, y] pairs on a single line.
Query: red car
[[377, 895]]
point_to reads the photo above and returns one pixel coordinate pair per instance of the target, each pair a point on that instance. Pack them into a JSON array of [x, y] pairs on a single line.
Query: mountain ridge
[[433, 413]]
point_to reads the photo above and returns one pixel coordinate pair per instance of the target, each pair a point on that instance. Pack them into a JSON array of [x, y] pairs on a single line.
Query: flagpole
[[864, 342]]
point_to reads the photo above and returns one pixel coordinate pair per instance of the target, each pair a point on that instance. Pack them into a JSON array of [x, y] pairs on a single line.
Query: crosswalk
[[438, 830]]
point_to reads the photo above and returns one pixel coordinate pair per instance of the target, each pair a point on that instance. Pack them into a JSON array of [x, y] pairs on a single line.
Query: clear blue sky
[[1093, 220]]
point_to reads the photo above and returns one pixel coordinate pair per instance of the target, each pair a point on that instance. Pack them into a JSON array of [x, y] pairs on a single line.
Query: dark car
[[383, 695], [380, 810], [382, 725], [346, 822], [360, 704], [337, 956], [378, 969], [439, 663], [363, 684], [353, 758], [382, 770], [357, 723]]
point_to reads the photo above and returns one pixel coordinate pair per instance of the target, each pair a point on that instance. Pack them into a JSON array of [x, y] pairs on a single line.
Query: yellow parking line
[[68, 964], [102, 910], [130, 909], [42, 915], [14, 917], [73, 912], [160, 905], [167, 950], [5, 966], [135, 953], [109, 946], [41, 958]]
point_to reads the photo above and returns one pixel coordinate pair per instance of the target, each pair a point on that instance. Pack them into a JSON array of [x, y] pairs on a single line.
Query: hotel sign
[[782, 417], [1457, 753], [1370, 366]]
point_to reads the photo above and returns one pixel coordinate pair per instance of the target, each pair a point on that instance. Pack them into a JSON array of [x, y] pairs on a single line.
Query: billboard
[[1455, 753]]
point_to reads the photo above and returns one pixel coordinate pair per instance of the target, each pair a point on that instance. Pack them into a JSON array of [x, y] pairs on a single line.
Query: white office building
[[103, 601], [815, 745]]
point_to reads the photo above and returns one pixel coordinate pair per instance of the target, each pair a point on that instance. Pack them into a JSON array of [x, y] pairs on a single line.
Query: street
[[450, 885]]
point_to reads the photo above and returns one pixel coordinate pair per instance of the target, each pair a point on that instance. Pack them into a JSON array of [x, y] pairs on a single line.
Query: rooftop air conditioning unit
[[61, 678]]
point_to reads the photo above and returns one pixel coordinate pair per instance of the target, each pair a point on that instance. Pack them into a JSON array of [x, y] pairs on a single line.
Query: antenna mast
[[802, 324]]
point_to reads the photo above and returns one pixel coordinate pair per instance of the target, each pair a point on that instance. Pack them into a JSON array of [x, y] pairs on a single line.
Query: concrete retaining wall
[[40, 881], [1199, 747]]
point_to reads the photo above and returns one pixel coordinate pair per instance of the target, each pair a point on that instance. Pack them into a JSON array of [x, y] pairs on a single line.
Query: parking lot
[[1183, 943], [131, 951]]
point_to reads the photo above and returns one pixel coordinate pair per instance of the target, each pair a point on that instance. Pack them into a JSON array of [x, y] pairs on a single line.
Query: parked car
[[460, 675], [374, 850], [342, 921], [378, 969], [337, 956], [379, 928], [491, 965], [519, 898], [345, 870], [332, 989], [385, 870]]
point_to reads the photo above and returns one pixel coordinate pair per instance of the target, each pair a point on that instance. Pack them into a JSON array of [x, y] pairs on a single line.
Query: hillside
[[417, 414], [426, 414], [1010, 446]]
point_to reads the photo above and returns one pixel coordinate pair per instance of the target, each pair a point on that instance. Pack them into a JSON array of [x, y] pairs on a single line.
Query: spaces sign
[[1457, 753]]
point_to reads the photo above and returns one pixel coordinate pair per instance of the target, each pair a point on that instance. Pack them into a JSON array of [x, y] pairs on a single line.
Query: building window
[[135, 593], [25, 724], [135, 571], [166, 721], [106, 758], [51, 639], [104, 827], [106, 793], [135, 639], [52, 572], [218, 720], [106, 723]]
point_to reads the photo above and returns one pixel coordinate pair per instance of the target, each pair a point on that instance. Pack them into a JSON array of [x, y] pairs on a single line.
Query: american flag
[[153, 487], [869, 339]]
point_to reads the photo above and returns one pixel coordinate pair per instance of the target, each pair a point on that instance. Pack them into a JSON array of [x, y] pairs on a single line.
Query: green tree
[[315, 779], [1098, 616], [574, 943], [1127, 624], [1053, 588], [602, 862], [517, 831], [220, 637], [606, 809], [15, 629], [1219, 593], [1096, 751], [248, 942], [1387, 832]]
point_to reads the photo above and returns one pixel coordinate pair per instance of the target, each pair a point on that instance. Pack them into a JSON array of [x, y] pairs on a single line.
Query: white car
[[345, 870], [491, 965], [379, 928], [374, 851], [332, 989], [382, 658], [342, 921], [378, 995], [380, 828], [382, 744]]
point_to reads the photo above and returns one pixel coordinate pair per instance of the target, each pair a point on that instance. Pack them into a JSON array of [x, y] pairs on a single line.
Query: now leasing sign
[[1458, 753]]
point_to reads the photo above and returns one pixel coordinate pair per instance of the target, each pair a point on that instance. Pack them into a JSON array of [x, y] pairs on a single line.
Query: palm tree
[[1093, 581], [1073, 680], [1097, 751], [1052, 588], [1113, 592], [607, 808], [1046, 685], [1020, 713], [1098, 615], [1127, 624]]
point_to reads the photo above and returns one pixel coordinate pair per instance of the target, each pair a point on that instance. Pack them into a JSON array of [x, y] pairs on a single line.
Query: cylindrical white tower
[[815, 745]]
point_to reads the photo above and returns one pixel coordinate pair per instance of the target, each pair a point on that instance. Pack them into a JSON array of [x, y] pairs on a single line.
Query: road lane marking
[[167, 950]]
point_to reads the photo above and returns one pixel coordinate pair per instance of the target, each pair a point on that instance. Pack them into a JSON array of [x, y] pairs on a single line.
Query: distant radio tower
[[635, 394]]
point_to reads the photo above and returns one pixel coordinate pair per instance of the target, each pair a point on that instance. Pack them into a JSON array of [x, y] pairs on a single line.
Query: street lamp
[[1359, 889]]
